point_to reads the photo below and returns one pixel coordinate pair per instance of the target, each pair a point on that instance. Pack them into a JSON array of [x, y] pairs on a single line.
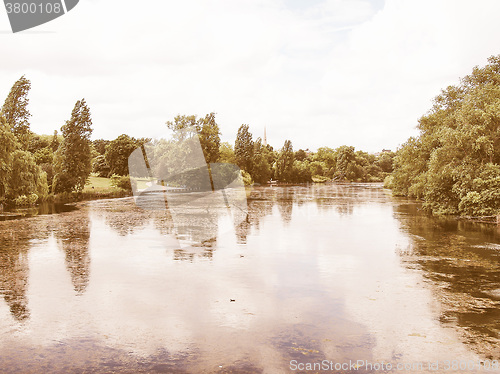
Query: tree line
[[453, 166], [36, 167]]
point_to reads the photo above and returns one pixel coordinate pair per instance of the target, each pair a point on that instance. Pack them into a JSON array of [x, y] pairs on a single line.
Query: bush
[[388, 181], [31, 199], [123, 182], [247, 179]]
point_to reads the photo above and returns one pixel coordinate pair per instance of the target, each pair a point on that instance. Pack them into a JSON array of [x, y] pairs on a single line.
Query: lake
[[344, 277]]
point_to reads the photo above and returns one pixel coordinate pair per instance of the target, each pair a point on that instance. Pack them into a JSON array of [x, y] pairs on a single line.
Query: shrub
[[123, 182]]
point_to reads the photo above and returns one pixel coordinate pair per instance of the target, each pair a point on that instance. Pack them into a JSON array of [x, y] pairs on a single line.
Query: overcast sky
[[317, 72]]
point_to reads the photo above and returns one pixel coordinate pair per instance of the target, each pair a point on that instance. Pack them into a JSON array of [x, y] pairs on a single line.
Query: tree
[[284, 164], [345, 156], [25, 177], [54, 143], [226, 153], [15, 110], [453, 165], [73, 157], [261, 170], [100, 145], [8, 145], [118, 152], [209, 134], [100, 166], [243, 148], [183, 127], [300, 155]]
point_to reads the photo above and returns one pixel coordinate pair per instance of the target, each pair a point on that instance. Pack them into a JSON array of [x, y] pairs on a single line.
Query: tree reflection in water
[[464, 272], [15, 242]]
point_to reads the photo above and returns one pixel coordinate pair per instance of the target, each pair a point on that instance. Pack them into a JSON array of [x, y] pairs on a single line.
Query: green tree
[[261, 170], [284, 164], [209, 134], [73, 157], [300, 155], [226, 153], [244, 148], [345, 157], [118, 152], [452, 165], [100, 145], [15, 111], [8, 145], [100, 166], [25, 177], [54, 143]]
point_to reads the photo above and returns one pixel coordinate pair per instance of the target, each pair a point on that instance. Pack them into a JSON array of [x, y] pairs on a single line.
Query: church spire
[[265, 137]]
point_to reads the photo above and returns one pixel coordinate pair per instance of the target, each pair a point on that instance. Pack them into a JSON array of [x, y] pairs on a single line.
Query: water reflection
[[73, 234], [310, 274], [16, 238], [14, 278], [461, 260]]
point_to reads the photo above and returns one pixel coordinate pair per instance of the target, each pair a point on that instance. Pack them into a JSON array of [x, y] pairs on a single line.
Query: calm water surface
[[337, 273]]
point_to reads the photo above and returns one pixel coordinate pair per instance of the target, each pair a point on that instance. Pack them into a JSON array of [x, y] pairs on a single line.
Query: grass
[[99, 184]]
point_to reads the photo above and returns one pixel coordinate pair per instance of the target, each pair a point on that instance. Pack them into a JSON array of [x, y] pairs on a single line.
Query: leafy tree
[[209, 134], [452, 166], [226, 153], [54, 143], [25, 177], [8, 145], [284, 163], [300, 155], [385, 161], [244, 148], [44, 156], [100, 145], [301, 172], [73, 157], [261, 170], [15, 110], [345, 157], [184, 127], [100, 166], [118, 152]]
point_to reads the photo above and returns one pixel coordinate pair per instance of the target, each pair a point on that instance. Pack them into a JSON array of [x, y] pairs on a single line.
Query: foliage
[[261, 170], [209, 135], [247, 178], [100, 145], [100, 166], [226, 153], [26, 200], [25, 177], [15, 110], [73, 157], [244, 148], [284, 164], [123, 182], [7, 146], [453, 164], [44, 156], [118, 152]]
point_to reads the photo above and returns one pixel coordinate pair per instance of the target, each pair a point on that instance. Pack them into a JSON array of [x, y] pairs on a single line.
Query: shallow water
[[339, 273]]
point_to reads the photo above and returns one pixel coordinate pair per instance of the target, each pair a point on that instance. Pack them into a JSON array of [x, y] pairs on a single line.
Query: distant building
[[383, 151]]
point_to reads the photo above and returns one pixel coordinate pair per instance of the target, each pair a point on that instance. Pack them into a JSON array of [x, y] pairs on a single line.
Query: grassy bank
[[96, 188]]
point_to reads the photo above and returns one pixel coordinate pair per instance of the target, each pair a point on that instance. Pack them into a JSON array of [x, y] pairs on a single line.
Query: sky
[[317, 72]]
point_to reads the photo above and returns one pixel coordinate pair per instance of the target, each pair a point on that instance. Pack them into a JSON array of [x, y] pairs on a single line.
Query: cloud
[[320, 73]]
